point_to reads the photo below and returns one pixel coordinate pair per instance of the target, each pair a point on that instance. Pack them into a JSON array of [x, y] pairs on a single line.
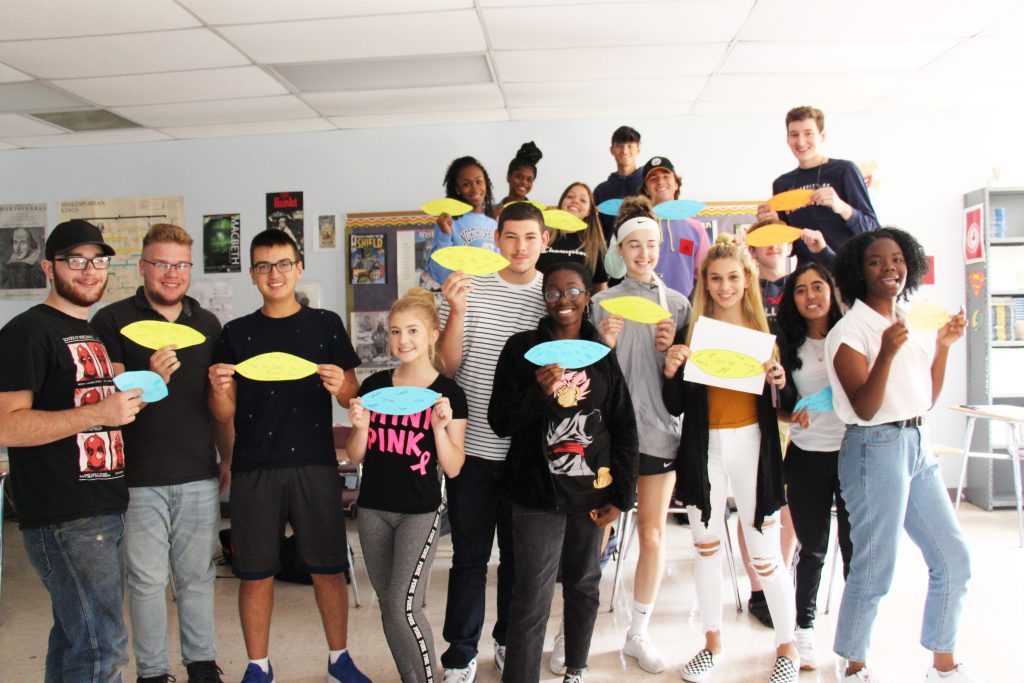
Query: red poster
[[974, 234]]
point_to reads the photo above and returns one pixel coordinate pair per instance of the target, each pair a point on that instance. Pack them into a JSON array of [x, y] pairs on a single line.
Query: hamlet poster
[[284, 212]]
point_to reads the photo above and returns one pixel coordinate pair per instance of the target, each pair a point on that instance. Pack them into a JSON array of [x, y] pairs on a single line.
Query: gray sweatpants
[[399, 550]]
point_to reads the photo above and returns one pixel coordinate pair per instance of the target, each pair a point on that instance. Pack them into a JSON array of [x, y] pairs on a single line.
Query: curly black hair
[[527, 156], [451, 178], [849, 264], [790, 326]]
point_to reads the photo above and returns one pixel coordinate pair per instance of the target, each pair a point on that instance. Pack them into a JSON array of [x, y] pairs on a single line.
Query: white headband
[[634, 224]]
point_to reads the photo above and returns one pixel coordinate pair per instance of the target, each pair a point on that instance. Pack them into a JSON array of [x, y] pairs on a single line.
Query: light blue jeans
[[171, 532], [891, 481], [81, 563]]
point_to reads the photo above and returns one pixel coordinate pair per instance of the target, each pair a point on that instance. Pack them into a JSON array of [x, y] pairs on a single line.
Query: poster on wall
[[327, 233], [974, 234], [124, 222], [216, 296], [369, 331], [367, 260], [222, 243], [22, 238], [284, 212]]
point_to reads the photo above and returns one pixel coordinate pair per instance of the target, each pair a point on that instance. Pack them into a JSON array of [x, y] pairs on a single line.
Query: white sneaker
[[573, 678], [467, 675], [785, 670], [556, 663], [642, 649], [862, 676], [700, 667], [499, 656], [958, 675], [804, 638]]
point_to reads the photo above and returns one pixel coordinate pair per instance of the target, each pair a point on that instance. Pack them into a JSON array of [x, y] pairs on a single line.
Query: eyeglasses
[[81, 263], [264, 267], [553, 295], [166, 267]]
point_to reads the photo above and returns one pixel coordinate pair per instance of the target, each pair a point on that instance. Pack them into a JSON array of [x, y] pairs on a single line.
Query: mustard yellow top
[[728, 409]]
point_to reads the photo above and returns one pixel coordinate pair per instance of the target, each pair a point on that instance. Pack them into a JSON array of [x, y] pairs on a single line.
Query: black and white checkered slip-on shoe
[[700, 667], [785, 671]]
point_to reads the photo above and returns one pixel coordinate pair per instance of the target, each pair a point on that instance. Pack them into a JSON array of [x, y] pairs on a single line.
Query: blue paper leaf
[[678, 209], [569, 353], [820, 402], [152, 384], [609, 207], [399, 400]]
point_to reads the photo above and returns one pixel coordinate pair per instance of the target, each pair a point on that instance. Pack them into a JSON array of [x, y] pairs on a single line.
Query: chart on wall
[[124, 222], [22, 238]]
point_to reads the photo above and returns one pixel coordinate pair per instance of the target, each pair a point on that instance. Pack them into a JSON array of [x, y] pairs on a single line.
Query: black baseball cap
[[74, 233], [656, 163]]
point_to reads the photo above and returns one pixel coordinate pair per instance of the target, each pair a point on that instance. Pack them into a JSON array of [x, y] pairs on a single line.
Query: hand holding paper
[[275, 367], [728, 356], [470, 260], [791, 200], [151, 384]]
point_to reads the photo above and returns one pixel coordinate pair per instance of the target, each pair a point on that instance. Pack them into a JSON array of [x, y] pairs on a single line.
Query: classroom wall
[[925, 164]]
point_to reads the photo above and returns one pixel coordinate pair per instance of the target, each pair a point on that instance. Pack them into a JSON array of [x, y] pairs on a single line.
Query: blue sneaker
[[344, 671], [254, 674]]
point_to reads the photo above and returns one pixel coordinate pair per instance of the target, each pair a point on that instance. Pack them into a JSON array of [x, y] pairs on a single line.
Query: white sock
[[334, 654], [262, 663], [946, 674], [641, 616]]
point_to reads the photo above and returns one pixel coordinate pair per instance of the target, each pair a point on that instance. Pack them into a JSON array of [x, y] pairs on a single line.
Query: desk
[[1013, 418]]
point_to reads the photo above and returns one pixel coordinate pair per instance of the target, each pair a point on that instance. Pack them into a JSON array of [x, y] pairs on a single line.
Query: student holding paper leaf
[[586, 246], [467, 181], [732, 437]]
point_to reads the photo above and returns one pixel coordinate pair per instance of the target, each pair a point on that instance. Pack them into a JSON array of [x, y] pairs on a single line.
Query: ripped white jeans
[[733, 459]]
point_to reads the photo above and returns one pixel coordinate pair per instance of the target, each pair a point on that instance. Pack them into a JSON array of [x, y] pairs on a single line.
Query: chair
[[351, 477]]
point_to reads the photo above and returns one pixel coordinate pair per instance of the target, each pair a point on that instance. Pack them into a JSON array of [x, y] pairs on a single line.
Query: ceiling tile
[[217, 111], [1010, 24], [790, 90], [104, 137], [359, 37], [597, 111], [420, 118], [32, 97], [9, 75], [178, 86], [583, 64], [224, 130], [12, 125], [778, 108], [123, 54], [615, 24], [30, 19], [636, 92], [958, 90], [4, 145], [983, 55], [221, 12], [780, 58], [468, 97]]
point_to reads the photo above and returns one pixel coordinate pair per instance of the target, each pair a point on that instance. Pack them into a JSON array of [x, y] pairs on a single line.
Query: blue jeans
[[890, 480], [171, 533], [81, 564]]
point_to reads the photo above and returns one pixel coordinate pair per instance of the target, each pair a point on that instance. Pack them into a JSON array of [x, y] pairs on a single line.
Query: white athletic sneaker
[[700, 667], [573, 677], [556, 663], [804, 638], [862, 676], [642, 649], [785, 670], [467, 675], [499, 656], [958, 675]]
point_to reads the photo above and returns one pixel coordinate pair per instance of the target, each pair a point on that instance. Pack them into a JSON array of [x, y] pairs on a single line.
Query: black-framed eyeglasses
[[80, 262], [572, 294], [181, 266], [264, 267]]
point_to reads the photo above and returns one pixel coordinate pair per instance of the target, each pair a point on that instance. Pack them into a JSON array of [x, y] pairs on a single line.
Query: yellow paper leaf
[[791, 200], [275, 367], [452, 207], [563, 220], [635, 308], [470, 260], [768, 235], [727, 364], [925, 316], [527, 201], [156, 334]]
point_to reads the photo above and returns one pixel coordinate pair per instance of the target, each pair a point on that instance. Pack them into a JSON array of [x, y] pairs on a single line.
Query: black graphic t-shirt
[[64, 364], [284, 424], [400, 467]]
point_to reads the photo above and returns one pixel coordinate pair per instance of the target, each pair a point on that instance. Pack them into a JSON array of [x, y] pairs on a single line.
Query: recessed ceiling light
[[387, 74], [83, 120]]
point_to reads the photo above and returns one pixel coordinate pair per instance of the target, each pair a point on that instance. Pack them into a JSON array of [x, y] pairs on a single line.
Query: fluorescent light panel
[[88, 120], [387, 74]]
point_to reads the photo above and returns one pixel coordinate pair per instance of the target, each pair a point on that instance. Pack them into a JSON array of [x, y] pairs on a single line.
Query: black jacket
[[693, 487], [519, 409]]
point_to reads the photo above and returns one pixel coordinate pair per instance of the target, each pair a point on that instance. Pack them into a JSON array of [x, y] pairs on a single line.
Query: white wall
[[926, 162]]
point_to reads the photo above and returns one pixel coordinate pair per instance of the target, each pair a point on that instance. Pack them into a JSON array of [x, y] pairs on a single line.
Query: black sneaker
[[162, 678], [758, 607], [204, 672]]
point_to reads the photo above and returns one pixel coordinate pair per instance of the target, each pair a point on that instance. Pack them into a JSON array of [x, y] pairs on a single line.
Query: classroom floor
[[990, 632]]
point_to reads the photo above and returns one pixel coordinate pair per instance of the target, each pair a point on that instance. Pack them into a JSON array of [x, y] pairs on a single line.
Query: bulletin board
[[730, 217]]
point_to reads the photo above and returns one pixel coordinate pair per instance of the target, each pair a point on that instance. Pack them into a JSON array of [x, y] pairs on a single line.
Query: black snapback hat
[[74, 233]]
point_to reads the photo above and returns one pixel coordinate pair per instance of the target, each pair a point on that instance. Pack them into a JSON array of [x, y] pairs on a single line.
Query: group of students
[[543, 457]]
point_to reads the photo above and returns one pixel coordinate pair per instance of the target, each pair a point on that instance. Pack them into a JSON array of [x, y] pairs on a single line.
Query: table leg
[[968, 436]]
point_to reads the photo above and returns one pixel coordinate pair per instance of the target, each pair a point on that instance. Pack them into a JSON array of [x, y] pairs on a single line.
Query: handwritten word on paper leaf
[[791, 200], [156, 334], [925, 316], [470, 260], [275, 367], [563, 220], [635, 308], [569, 353], [820, 402], [399, 400], [776, 233], [678, 209], [452, 207], [727, 364], [610, 207], [152, 384]]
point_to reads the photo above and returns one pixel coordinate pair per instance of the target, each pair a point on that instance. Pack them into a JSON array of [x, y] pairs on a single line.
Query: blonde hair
[[421, 303], [167, 233]]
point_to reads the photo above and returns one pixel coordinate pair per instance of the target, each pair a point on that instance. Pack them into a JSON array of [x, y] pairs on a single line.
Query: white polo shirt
[[908, 391]]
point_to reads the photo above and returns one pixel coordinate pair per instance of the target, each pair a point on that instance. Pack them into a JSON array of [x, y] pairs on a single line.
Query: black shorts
[[264, 501], [650, 464]]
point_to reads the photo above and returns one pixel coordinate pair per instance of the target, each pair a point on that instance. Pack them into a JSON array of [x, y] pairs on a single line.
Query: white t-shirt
[[495, 311], [908, 391], [826, 431]]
